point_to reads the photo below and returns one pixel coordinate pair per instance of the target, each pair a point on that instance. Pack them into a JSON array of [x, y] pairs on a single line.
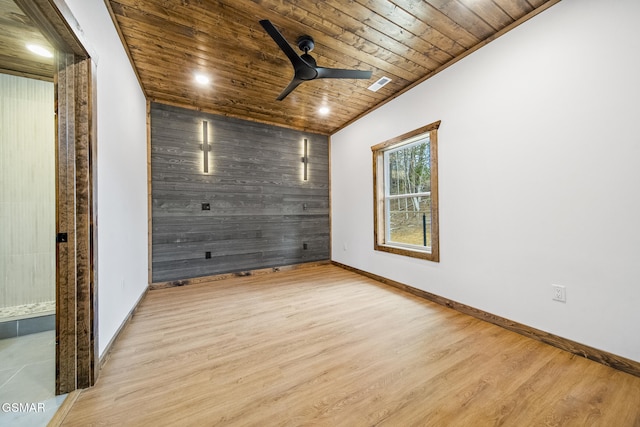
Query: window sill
[[413, 253]]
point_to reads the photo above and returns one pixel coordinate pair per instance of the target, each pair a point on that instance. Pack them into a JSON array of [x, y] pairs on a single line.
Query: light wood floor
[[324, 346]]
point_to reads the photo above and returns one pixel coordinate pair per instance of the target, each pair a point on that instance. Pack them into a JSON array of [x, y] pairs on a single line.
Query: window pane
[[410, 169], [405, 205], [410, 220]]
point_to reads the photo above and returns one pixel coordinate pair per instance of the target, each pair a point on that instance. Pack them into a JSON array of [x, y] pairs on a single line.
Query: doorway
[[27, 251], [73, 235]]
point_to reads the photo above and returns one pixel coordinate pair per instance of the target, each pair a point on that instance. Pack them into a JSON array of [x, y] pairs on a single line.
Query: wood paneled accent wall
[[262, 213]]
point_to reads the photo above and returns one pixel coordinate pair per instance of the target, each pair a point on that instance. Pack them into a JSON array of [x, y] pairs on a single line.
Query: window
[[406, 194]]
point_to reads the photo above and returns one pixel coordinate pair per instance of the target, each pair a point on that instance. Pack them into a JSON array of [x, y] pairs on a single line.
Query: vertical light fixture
[[305, 159], [205, 147]]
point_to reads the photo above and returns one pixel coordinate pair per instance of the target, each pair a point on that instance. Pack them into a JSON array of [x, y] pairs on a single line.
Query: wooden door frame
[[76, 233]]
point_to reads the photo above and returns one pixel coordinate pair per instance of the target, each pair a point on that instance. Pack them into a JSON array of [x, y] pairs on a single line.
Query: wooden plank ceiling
[[169, 41], [17, 32], [405, 40]]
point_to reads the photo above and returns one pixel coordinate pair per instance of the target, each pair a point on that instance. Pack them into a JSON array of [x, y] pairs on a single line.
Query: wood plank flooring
[[324, 346]]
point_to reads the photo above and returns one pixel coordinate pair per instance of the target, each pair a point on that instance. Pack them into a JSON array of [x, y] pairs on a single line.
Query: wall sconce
[[205, 147], [305, 159]]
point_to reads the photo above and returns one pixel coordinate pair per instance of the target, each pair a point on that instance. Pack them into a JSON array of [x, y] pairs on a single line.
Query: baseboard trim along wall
[[214, 278], [608, 359], [105, 355], [29, 325]]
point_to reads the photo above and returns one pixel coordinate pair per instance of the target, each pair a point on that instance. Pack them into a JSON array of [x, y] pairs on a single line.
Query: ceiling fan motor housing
[[305, 43]]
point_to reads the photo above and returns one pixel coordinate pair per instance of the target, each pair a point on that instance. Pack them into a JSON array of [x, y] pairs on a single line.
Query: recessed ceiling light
[[202, 79], [39, 50], [324, 110]]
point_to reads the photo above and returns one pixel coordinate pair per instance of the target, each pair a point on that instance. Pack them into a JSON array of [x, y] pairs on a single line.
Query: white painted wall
[[539, 176], [122, 172]]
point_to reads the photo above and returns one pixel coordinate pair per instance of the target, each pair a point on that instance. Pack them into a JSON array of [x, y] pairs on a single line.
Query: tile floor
[[27, 375]]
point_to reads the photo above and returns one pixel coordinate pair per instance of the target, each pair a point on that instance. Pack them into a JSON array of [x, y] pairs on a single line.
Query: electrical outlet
[[559, 293]]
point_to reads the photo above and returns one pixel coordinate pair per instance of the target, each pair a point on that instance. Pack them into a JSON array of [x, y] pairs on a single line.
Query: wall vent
[[377, 85]]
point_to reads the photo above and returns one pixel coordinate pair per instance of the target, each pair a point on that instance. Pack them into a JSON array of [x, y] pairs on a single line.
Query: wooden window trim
[[379, 243]]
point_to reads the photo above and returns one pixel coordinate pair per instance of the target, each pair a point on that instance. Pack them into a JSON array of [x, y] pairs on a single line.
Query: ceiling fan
[[304, 66]]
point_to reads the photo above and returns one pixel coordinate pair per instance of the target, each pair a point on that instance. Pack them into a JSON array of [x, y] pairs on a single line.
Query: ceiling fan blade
[[305, 66], [338, 73], [294, 84], [282, 43]]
